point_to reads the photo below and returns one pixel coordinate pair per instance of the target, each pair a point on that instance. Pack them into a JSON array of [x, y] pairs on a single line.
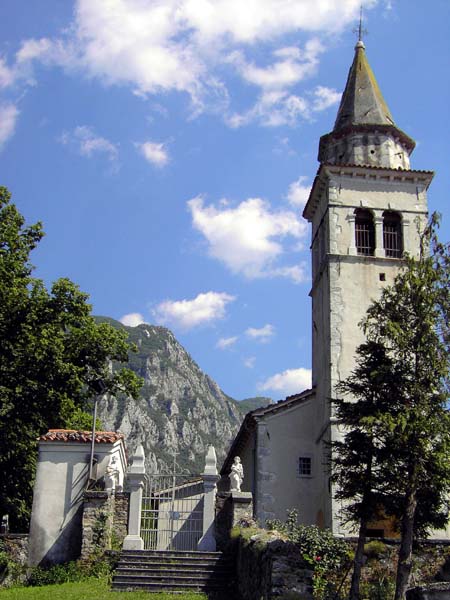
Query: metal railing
[[172, 512]]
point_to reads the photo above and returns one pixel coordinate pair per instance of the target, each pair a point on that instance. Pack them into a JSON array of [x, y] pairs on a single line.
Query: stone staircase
[[155, 571]]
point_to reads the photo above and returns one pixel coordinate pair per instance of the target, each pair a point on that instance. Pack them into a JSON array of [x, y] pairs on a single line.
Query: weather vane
[[359, 30]]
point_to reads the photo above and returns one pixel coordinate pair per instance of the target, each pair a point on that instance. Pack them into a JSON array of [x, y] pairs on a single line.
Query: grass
[[91, 589]]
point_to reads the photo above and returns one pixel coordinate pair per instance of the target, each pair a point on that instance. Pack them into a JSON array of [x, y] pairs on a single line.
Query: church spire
[[364, 132], [362, 102]]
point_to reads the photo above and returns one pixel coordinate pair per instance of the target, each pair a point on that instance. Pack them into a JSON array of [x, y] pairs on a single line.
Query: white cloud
[[291, 381], [247, 238], [325, 97], [297, 273], [263, 334], [154, 152], [291, 65], [132, 319], [88, 143], [186, 314], [33, 49], [298, 192], [6, 74], [8, 117], [273, 109], [181, 45], [249, 362], [224, 343]]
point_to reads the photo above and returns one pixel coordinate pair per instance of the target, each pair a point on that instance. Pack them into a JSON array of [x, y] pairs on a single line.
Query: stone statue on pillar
[[237, 475]]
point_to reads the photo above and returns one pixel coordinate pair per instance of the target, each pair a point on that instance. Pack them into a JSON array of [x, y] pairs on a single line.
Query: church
[[365, 208]]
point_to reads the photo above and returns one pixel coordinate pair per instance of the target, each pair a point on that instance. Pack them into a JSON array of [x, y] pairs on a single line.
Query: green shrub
[[375, 549], [11, 572], [56, 574], [319, 548], [383, 589], [99, 566]]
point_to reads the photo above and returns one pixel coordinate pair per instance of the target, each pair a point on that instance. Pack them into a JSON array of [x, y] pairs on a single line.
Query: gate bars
[[171, 512]]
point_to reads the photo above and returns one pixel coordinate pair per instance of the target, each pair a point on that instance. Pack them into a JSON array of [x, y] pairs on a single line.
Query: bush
[[99, 566], [375, 549], [319, 547], [11, 572]]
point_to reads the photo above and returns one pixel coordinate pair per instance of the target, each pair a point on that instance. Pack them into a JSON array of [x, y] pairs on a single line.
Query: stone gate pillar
[[207, 542], [135, 479]]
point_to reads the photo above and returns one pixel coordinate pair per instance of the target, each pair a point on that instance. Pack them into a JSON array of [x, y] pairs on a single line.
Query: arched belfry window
[[392, 234], [364, 232]]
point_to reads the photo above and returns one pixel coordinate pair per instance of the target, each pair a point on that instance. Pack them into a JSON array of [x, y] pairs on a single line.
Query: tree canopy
[[395, 454], [52, 356]]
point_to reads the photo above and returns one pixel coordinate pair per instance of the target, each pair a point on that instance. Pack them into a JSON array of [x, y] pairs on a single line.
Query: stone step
[[225, 568], [203, 573], [186, 563], [168, 577], [152, 570], [194, 554], [158, 587]]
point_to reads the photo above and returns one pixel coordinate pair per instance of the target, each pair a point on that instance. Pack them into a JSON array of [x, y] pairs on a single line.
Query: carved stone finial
[[236, 475], [138, 465], [211, 462]]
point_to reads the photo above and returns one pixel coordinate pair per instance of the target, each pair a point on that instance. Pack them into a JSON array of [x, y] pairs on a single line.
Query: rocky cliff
[[180, 410]]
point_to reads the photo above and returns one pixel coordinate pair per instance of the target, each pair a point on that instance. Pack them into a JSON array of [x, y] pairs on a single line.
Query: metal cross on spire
[[360, 30]]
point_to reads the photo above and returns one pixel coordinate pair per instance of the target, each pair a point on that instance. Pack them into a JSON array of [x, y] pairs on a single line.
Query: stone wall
[[16, 547], [434, 591], [105, 520], [271, 568], [231, 509]]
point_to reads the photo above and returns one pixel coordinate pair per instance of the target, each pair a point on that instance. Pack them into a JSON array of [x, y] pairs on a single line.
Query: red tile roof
[[80, 437]]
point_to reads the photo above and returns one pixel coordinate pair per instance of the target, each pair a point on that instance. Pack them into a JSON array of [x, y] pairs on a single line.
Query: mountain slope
[[249, 404], [180, 410]]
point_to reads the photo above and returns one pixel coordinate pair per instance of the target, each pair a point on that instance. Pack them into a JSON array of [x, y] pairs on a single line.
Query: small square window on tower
[[305, 466]]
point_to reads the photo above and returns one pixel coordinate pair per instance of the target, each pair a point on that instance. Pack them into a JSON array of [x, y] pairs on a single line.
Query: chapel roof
[[81, 437]]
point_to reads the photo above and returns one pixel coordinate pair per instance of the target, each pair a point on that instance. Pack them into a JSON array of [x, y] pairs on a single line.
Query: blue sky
[[168, 147]]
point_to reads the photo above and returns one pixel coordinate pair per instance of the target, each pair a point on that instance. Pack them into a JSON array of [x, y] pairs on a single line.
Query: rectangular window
[[392, 241], [364, 232], [364, 238], [392, 234], [305, 466]]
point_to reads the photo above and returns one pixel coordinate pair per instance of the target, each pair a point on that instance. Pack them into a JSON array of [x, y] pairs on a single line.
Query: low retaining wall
[[16, 547], [105, 521], [268, 569], [434, 591]]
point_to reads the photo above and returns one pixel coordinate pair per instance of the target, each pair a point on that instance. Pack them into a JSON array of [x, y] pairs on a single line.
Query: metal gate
[[172, 512]]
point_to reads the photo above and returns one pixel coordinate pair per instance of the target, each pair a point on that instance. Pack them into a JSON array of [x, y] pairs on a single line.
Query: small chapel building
[[366, 208]]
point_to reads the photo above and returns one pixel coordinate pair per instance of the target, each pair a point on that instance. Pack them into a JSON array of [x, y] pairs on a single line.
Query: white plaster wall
[[61, 478], [282, 438]]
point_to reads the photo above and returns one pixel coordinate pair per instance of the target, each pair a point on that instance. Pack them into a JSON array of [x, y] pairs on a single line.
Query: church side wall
[[286, 436]]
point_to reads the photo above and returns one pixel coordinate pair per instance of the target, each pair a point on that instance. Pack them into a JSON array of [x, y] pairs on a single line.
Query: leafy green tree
[[52, 356], [400, 388]]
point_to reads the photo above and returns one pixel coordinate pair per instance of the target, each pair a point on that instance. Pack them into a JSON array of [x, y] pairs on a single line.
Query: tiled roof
[[377, 167], [80, 437]]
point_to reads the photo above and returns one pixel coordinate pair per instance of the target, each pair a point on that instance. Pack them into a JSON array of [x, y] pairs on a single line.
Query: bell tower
[[365, 208]]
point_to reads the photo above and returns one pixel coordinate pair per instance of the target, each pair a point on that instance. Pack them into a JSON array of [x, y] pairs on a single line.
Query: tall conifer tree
[[394, 409]]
